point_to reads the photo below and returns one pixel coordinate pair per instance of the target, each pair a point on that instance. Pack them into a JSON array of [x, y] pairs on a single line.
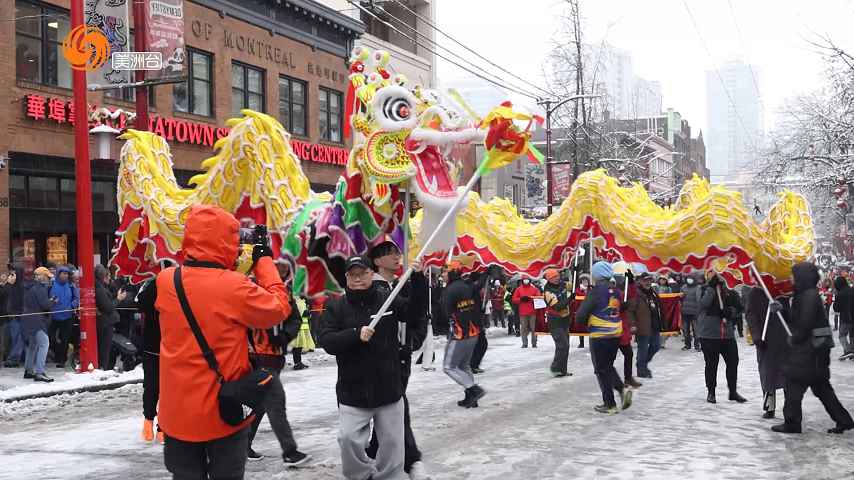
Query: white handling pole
[[406, 206], [765, 326], [720, 299], [770, 299], [408, 272], [427, 348], [592, 252]]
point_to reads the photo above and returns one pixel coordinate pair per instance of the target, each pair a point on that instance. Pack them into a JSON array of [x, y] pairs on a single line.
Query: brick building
[[287, 59]]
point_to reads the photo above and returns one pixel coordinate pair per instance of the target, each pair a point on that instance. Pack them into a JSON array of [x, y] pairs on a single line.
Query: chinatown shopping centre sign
[[56, 110]]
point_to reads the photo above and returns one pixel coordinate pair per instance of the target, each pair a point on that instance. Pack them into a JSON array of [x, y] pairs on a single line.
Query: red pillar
[[140, 44], [83, 173]]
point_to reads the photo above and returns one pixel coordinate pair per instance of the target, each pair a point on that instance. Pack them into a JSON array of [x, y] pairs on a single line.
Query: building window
[[196, 95], [247, 88], [38, 37], [292, 111], [17, 191], [330, 115], [43, 193], [103, 197], [67, 194]]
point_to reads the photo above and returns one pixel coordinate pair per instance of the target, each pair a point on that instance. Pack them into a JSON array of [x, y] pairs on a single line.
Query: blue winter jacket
[[66, 297]]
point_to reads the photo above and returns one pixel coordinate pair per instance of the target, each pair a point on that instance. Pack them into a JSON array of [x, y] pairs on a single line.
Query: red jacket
[[225, 303], [526, 308]]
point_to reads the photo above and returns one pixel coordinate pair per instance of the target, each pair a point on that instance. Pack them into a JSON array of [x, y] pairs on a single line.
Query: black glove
[[714, 281], [775, 307], [525, 298], [261, 250], [760, 344], [630, 277]]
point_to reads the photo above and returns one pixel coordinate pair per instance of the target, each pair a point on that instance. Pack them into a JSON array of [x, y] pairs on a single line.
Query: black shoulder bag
[[237, 398]]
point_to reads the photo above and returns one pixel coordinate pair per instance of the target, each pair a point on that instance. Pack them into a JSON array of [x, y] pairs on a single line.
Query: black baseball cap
[[644, 276], [357, 261]]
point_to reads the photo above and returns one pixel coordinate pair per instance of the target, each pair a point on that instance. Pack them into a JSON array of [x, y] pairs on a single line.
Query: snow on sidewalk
[[529, 426], [14, 387]]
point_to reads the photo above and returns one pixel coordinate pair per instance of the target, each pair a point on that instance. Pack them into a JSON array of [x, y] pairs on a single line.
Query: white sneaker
[[418, 472]]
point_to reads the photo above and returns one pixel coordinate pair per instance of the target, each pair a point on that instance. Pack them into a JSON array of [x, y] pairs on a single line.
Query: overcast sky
[[663, 42]]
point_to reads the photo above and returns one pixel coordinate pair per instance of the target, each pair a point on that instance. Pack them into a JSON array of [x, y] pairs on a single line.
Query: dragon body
[[403, 137]]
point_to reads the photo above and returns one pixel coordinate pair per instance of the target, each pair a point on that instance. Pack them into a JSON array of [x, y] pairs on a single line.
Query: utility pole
[[550, 106], [85, 235], [140, 44]]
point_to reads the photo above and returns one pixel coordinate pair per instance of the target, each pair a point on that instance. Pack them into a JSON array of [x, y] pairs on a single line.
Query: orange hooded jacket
[[224, 303]]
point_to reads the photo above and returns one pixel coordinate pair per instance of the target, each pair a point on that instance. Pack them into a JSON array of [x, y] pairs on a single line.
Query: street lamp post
[[550, 106]]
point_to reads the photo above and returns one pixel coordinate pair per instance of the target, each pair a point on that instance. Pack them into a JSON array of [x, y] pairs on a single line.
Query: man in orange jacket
[[199, 444]]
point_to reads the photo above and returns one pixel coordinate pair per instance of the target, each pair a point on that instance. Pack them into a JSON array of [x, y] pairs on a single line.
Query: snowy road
[[528, 426]]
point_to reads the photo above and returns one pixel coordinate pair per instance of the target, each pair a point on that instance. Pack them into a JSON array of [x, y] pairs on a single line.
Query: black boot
[[735, 397], [786, 428], [474, 394], [768, 414], [839, 429], [711, 397], [467, 400]]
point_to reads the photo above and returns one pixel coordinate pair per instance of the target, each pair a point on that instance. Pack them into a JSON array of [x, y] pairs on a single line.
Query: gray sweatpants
[[354, 435], [457, 364]]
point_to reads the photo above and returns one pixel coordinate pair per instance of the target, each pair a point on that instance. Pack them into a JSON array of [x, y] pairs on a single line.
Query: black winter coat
[[462, 306], [804, 363], [844, 301], [36, 300], [145, 300], [106, 303], [369, 374]]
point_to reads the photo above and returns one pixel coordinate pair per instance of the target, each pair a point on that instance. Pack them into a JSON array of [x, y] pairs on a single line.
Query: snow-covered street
[[529, 426]]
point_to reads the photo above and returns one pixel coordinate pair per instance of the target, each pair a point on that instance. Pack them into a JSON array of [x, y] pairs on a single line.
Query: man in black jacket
[[386, 258], [370, 385], [843, 304], [145, 300], [808, 363]]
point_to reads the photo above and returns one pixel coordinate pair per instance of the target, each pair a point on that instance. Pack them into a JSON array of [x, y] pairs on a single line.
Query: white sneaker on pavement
[[418, 472]]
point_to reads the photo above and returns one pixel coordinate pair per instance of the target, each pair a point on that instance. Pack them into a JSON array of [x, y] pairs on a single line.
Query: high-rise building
[[735, 118], [627, 96]]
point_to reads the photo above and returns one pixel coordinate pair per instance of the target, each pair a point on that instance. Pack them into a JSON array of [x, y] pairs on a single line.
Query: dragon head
[[402, 134]]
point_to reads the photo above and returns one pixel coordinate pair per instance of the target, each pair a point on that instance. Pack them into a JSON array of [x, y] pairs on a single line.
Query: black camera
[[256, 235]]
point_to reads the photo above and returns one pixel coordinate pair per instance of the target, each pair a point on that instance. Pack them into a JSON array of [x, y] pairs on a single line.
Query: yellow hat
[[43, 271]]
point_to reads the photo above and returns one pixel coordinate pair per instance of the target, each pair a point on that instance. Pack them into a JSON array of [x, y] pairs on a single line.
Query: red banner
[[671, 309]]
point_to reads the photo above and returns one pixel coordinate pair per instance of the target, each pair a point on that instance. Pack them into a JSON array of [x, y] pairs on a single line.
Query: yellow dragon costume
[[403, 135]]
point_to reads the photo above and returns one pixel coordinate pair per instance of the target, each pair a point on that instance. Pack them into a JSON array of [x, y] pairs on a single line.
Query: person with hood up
[[370, 381], [524, 297], [600, 311], [843, 304], [558, 300], [461, 304], [15, 306], [225, 304], [35, 322], [719, 312], [808, 362], [645, 314], [770, 352], [690, 309], [61, 318]]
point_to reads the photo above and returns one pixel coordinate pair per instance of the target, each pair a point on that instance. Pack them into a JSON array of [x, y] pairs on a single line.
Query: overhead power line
[[434, 52], [720, 78], [449, 37]]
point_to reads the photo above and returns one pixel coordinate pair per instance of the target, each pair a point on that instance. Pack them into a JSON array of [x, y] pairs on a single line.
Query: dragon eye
[[397, 109]]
